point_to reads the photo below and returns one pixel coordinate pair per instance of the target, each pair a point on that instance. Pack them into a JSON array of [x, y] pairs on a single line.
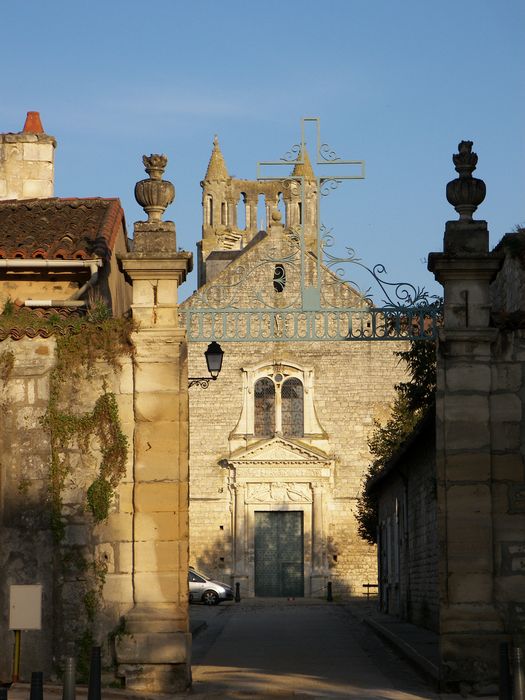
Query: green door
[[279, 550]]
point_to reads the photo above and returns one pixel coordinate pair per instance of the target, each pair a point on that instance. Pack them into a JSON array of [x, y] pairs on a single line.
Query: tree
[[411, 402]]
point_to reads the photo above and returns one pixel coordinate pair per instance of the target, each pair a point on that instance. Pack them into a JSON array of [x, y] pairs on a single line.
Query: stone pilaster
[[470, 626], [240, 535], [154, 653], [319, 564]]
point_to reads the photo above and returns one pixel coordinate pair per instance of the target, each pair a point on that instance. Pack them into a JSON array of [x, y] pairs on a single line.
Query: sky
[[396, 83]]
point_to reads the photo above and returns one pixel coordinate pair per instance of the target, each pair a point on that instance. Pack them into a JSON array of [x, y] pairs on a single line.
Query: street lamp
[[213, 355]]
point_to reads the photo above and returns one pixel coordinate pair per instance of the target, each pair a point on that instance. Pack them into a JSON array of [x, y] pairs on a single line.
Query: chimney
[[27, 162]]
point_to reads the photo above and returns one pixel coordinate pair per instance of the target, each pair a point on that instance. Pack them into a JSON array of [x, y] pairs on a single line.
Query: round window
[[278, 378]]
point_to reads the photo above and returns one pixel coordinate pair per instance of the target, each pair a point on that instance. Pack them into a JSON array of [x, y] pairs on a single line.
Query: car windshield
[[199, 573]]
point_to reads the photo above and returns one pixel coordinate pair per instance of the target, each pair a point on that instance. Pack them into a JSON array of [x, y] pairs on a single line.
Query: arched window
[[292, 407], [264, 418], [209, 212], [224, 218]]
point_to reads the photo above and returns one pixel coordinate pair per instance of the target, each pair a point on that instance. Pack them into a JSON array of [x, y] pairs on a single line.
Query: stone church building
[[278, 444]]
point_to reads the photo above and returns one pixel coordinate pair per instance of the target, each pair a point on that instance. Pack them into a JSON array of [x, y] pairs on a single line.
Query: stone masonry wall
[[29, 553], [423, 596]]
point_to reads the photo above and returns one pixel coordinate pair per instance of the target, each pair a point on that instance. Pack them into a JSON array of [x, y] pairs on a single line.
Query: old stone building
[[93, 425], [278, 444]]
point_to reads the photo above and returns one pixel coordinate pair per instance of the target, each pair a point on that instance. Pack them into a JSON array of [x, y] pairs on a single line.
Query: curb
[[405, 648]]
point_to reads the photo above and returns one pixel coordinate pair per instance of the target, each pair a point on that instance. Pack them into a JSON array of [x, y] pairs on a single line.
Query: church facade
[[279, 443]]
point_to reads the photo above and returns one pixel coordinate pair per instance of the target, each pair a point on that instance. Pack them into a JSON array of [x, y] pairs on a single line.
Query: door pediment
[[279, 449]]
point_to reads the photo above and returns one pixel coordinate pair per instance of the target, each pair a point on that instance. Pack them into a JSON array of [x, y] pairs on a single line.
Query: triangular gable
[[248, 281], [279, 449]]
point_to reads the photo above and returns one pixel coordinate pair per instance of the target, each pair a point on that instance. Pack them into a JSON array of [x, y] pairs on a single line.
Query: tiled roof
[[32, 323], [59, 228]]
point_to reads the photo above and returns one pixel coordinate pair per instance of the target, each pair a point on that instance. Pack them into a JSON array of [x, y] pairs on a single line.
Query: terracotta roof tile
[[32, 323], [59, 228]]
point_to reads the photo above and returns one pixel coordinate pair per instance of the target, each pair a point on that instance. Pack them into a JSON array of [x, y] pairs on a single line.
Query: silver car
[[202, 588]]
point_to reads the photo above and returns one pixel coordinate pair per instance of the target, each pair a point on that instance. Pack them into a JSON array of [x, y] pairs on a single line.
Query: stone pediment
[[279, 449]]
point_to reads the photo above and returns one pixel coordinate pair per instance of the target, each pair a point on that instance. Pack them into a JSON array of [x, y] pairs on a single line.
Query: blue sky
[[395, 83]]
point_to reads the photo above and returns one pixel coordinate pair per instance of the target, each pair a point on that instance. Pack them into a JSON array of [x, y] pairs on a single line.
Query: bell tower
[[222, 238]]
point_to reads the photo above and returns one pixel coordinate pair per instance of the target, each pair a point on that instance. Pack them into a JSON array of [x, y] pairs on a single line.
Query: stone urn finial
[[155, 194], [465, 193]]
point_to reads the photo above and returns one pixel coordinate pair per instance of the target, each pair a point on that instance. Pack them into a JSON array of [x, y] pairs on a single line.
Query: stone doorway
[[279, 553]]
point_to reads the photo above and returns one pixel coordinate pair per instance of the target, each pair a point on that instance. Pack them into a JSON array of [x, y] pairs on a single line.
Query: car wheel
[[210, 598]]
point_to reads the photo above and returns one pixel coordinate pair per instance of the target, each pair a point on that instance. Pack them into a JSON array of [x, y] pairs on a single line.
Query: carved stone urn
[[465, 193], [155, 194]]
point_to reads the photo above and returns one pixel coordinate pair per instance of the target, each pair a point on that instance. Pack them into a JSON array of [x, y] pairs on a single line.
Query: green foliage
[[412, 400], [99, 496], [7, 362], [420, 360], [9, 307], [76, 352]]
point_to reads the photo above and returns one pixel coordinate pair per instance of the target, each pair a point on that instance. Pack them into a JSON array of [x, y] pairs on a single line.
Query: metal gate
[[279, 547]]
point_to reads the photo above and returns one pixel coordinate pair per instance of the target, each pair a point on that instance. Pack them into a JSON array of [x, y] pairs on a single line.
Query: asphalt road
[[293, 649]]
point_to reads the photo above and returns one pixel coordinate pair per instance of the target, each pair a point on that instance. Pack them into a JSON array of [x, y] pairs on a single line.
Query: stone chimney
[[27, 162]]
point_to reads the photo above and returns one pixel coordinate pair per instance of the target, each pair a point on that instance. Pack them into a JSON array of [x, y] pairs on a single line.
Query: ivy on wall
[[99, 337]]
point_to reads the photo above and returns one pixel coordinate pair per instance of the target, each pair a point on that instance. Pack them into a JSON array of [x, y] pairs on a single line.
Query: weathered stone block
[[507, 376], [506, 437], [469, 617], [124, 557], [125, 497], [156, 526], [473, 377], [467, 408], [157, 407], [157, 556], [37, 189], [157, 450], [157, 377], [155, 497], [125, 378], [474, 588], [167, 292], [468, 500], [157, 587], [38, 151], [508, 467], [466, 435], [117, 527], [118, 588], [468, 466], [505, 408]]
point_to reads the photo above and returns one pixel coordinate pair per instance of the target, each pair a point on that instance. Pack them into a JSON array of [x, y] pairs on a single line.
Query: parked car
[[205, 589]]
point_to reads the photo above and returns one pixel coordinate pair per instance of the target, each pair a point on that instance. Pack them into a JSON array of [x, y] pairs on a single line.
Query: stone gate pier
[[154, 652]]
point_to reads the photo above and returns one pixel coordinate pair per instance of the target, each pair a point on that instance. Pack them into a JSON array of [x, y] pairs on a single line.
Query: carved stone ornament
[[276, 492], [155, 194], [465, 193]]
